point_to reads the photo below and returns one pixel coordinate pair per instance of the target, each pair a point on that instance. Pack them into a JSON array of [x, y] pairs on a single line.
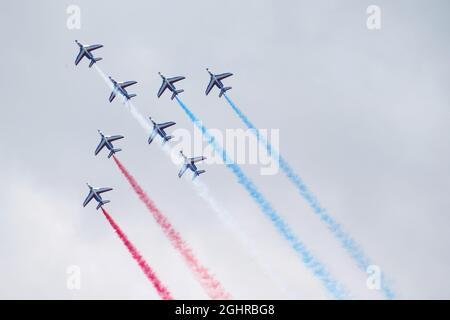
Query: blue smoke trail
[[344, 238], [311, 263]]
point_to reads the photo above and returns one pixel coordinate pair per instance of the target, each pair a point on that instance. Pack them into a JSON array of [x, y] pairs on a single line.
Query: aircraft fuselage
[[170, 85], [88, 54], [218, 83], [97, 196], [193, 167], [160, 131], [122, 91], [109, 145]]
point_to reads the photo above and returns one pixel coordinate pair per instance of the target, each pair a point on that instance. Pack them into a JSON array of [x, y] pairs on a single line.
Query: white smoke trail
[[347, 242], [133, 110], [202, 190], [227, 219], [318, 269], [139, 117], [103, 75]]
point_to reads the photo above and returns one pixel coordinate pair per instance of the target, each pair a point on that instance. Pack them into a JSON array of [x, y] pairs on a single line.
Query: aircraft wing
[[210, 86], [162, 89], [79, 57], [88, 198], [112, 96], [93, 47], [126, 84], [197, 159], [114, 138], [100, 146], [175, 79], [223, 75], [166, 125], [101, 190], [152, 136], [182, 170]]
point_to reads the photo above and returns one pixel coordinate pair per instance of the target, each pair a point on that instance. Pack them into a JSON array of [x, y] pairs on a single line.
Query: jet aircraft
[[106, 141], [94, 193], [169, 83], [86, 51], [216, 80], [120, 87], [158, 129], [189, 163]]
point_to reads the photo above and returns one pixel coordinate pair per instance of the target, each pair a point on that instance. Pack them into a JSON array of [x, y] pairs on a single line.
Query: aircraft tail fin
[[197, 173], [113, 151], [167, 138], [176, 92], [94, 61], [223, 90], [131, 96], [102, 203]]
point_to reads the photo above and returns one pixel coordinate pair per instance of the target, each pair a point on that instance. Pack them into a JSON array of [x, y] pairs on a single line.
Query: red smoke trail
[[162, 290], [209, 283]]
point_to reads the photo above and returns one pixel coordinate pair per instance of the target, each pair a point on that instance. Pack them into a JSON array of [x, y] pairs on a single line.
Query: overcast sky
[[363, 117]]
